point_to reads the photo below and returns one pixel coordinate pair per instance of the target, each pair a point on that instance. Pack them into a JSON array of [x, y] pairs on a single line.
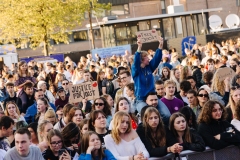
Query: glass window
[[195, 25], [97, 34], [131, 32], [184, 26], [189, 26], [121, 34], [155, 24], [168, 27], [143, 25], [179, 27], [201, 23], [80, 36], [118, 10], [108, 36]]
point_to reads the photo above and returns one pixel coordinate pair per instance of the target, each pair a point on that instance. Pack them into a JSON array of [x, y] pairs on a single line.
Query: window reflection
[[80, 36], [168, 27]]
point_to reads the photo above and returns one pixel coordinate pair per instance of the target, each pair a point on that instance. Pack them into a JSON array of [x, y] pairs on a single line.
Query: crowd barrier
[[228, 153]]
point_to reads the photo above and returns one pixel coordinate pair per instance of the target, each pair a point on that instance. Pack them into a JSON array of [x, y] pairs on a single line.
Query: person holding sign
[[142, 73]]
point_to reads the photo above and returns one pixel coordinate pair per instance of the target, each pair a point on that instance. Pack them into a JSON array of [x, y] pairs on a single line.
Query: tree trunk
[[46, 49], [91, 28]]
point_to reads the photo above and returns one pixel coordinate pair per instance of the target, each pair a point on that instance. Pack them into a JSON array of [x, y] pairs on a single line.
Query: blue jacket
[[108, 156], [3, 95], [32, 111], [143, 77]]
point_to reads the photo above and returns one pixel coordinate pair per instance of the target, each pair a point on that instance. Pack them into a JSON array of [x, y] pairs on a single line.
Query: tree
[[39, 21]]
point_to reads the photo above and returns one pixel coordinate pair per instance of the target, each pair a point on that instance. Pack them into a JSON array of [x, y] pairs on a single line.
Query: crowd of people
[[151, 104]]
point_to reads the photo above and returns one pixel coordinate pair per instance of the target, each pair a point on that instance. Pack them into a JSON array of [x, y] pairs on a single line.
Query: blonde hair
[[6, 110], [116, 121], [40, 129], [50, 113], [167, 82], [217, 85], [173, 78]]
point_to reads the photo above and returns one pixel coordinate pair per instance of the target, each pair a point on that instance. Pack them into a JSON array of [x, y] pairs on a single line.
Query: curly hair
[[106, 108], [206, 114]]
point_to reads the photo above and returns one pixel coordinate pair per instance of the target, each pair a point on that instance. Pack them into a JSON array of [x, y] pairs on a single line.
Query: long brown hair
[[160, 138], [187, 135], [19, 70], [93, 117], [85, 144], [106, 108]]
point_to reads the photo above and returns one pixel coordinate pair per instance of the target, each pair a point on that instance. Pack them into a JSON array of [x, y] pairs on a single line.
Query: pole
[[90, 22]]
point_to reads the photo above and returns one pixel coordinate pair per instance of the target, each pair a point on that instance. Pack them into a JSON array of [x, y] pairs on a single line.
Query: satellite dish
[[232, 21], [215, 22]]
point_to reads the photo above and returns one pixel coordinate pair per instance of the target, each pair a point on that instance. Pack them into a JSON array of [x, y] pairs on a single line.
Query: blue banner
[[108, 52], [59, 57], [188, 43]]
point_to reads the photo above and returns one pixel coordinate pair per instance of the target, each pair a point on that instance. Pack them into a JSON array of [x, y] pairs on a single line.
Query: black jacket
[[157, 151], [48, 154], [179, 97], [208, 131], [197, 74]]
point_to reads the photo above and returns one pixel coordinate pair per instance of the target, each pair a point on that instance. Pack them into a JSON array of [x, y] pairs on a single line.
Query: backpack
[[109, 87]]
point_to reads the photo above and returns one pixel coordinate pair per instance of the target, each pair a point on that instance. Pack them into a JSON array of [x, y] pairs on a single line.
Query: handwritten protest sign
[[148, 36], [87, 90], [225, 72]]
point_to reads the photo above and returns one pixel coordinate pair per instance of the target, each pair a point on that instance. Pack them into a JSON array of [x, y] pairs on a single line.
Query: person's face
[[59, 113], [183, 93], [216, 112], [86, 76], [236, 96], [22, 143], [152, 100], [47, 128], [51, 120], [44, 87], [39, 95], [196, 62], [61, 93], [33, 135], [80, 74], [102, 76], [65, 84], [110, 101], [100, 121], [210, 66], [180, 124], [10, 89], [23, 67], [129, 92], [191, 99], [99, 104], [170, 89], [125, 79], [78, 117], [94, 141], [124, 124], [177, 74], [153, 120], [56, 143], [193, 83], [7, 132], [2, 83], [11, 108], [145, 60], [84, 128], [29, 91], [203, 96], [160, 89], [233, 63], [53, 69], [124, 106], [165, 72], [41, 107]]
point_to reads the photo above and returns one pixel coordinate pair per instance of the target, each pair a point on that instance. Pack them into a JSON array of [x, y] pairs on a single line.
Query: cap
[[60, 89], [40, 83]]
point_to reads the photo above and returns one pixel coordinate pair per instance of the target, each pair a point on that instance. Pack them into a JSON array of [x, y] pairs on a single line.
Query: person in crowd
[[42, 107], [210, 65], [236, 117], [196, 71], [215, 131], [58, 80], [185, 71], [174, 60], [192, 97], [32, 110], [107, 85], [208, 55], [97, 123], [23, 76], [207, 78], [236, 78], [142, 70], [185, 86], [110, 102], [124, 142], [165, 74], [71, 135], [153, 134], [87, 76], [63, 99], [234, 98], [27, 96], [165, 63], [51, 116], [130, 93], [51, 76], [3, 91], [53, 90], [12, 96], [91, 148], [190, 117], [83, 127], [32, 127], [66, 74], [203, 97], [13, 112], [6, 130], [175, 76], [23, 148], [43, 129], [93, 72], [181, 133], [65, 119], [76, 115], [159, 88], [193, 82], [42, 85], [48, 67], [196, 51], [173, 104], [55, 142], [101, 104], [100, 78], [77, 77], [65, 85], [186, 60]]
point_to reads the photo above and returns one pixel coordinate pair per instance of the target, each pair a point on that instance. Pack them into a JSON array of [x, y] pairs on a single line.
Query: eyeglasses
[[64, 83], [203, 95], [54, 144], [235, 87], [98, 104]]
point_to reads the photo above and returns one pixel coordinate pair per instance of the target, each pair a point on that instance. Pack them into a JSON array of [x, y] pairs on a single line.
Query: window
[[97, 34], [238, 3], [189, 26], [108, 36], [168, 26], [155, 24], [163, 6], [80, 36], [118, 10], [143, 25], [121, 34]]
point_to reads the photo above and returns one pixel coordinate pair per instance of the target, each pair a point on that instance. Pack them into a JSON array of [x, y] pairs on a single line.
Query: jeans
[[162, 108]]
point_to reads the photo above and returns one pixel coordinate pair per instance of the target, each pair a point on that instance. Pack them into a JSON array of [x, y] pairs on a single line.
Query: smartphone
[[61, 151]]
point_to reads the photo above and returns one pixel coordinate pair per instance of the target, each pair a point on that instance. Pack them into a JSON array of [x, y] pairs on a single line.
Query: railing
[[228, 153]]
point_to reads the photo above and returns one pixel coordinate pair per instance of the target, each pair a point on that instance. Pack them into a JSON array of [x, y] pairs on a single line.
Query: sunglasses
[[203, 95], [235, 87], [65, 84], [98, 104]]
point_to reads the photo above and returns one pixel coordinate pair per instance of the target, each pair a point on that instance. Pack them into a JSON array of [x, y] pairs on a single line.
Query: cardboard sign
[[225, 72], [87, 90], [148, 36]]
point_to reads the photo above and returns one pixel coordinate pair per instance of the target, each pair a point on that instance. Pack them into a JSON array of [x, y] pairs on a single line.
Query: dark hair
[[106, 108], [27, 85], [151, 94], [54, 132], [34, 126], [159, 82], [130, 86], [110, 67], [192, 91], [10, 84], [6, 122], [86, 71], [168, 76], [185, 86], [207, 77], [201, 89], [72, 113], [126, 72], [23, 131], [189, 115], [69, 131], [93, 117], [143, 111], [190, 77], [237, 111], [66, 109], [210, 60]]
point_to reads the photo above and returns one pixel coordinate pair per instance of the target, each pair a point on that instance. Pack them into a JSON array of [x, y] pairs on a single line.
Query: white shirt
[[236, 124], [50, 96]]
